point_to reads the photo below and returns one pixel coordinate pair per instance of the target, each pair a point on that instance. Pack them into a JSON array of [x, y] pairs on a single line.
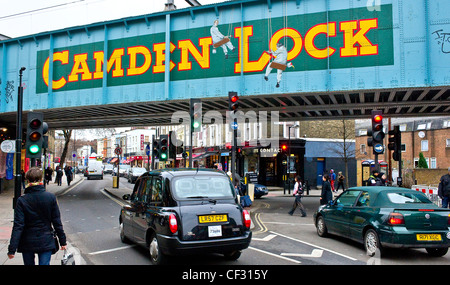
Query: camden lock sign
[[350, 38]]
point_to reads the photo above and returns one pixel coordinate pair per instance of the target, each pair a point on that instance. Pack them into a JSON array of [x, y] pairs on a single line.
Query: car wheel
[[232, 255], [437, 252], [156, 256], [321, 227], [123, 237], [372, 243]]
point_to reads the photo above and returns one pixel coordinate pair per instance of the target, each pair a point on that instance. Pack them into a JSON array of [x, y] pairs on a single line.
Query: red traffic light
[[284, 147], [378, 118], [234, 98], [35, 124]]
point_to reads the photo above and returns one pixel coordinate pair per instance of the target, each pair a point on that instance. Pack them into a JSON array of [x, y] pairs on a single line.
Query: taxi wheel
[[233, 255], [156, 256], [372, 243], [123, 238], [437, 252], [321, 227]]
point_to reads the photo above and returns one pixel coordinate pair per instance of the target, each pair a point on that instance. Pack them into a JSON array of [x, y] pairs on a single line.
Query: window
[[202, 186], [362, 148], [364, 200], [408, 198], [157, 190], [433, 163], [347, 199], [447, 143], [424, 145], [403, 147]]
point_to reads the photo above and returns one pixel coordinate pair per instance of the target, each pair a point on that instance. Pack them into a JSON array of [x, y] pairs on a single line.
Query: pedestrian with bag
[[298, 191], [59, 175], [444, 190], [34, 215], [326, 194], [340, 179], [69, 175]]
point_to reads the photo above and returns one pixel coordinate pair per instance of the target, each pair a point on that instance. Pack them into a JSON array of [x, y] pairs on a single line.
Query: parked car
[[185, 211], [94, 169], [122, 169], [260, 190], [134, 173], [108, 169], [386, 217]]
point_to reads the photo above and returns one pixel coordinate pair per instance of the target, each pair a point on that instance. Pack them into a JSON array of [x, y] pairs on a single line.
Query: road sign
[[147, 149], [234, 125], [8, 146], [378, 148], [118, 151]]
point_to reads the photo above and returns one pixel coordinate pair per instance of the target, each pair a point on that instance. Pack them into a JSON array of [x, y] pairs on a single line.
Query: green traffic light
[[196, 125], [163, 156], [34, 149]]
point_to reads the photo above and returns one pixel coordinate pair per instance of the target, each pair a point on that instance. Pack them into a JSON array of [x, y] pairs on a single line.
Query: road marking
[[111, 250], [267, 238], [112, 198], [261, 225], [315, 253], [316, 246], [275, 255]]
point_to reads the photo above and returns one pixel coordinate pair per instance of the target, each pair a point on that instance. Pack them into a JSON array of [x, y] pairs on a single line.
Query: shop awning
[[114, 160]]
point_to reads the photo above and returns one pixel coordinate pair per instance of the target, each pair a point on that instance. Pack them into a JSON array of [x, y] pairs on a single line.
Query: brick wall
[[429, 176]]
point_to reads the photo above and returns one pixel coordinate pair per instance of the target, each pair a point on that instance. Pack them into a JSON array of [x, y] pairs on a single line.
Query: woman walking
[[340, 179], [326, 194], [35, 213], [298, 190]]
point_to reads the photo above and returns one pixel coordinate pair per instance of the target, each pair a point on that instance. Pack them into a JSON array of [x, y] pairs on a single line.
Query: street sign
[[234, 125], [118, 151], [147, 149], [8, 146], [378, 148]]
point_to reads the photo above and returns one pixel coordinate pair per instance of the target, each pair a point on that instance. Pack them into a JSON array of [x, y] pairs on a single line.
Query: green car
[[386, 217]]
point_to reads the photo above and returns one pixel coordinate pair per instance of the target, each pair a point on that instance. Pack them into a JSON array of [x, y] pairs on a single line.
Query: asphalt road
[[90, 218]]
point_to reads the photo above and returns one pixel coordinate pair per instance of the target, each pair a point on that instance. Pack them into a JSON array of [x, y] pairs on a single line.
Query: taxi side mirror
[[126, 197]]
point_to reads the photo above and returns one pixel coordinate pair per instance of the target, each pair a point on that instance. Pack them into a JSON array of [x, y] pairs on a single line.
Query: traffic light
[[284, 148], [155, 151], [395, 143], [196, 115], [376, 133], [164, 147], [174, 144], [233, 101], [36, 128]]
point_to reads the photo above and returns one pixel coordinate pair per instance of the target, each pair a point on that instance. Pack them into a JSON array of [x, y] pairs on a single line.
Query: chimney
[[170, 6]]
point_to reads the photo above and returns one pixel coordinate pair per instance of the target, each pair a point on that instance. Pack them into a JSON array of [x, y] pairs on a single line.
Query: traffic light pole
[[18, 178], [233, 155]]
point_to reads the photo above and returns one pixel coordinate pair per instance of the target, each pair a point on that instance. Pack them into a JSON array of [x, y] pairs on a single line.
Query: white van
[[95, 169]]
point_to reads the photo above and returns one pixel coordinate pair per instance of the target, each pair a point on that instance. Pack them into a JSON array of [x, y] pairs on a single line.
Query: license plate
[[214, 231], [429, 237], [212, 219]]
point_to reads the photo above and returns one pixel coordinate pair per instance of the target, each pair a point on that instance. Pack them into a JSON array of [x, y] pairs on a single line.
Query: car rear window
[[202, 186], [407, 198]]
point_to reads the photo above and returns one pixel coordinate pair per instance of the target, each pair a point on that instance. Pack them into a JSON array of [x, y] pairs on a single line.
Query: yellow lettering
[[133, 51], [310, 47], [248, 66], [160, 49], [115, 59], [294, 35], [80, 66], [63, 57], [187, 47], [365, 47]]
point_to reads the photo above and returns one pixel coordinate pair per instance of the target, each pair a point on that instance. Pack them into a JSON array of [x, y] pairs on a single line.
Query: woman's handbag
[[68, 258], [55, 238]]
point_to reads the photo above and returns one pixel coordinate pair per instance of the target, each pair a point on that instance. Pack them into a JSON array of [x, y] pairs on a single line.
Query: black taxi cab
[[185, 211]]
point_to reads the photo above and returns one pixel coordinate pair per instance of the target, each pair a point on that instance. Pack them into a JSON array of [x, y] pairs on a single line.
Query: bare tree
[[67, 134], [345, 130]]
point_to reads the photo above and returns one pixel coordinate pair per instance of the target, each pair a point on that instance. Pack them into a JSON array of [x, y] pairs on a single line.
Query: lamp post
[[289, 156], [18, 178]]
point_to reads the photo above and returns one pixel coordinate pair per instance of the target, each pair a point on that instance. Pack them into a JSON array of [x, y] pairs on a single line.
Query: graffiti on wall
[[9, 89], [443, 40]]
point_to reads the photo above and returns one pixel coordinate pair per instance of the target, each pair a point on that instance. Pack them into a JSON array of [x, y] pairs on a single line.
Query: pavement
[[7, 215], [7, 219]]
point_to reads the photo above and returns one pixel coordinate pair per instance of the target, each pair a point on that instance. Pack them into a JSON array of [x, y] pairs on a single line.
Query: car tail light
[[247, 220], [173, 225], [396, 219]]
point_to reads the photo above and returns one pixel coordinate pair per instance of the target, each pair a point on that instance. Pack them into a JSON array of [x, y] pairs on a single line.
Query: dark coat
[[444, 186], [31, 231], [326, 194]]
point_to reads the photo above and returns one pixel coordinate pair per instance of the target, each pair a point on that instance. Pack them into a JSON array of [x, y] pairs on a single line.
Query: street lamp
[[289, 156]]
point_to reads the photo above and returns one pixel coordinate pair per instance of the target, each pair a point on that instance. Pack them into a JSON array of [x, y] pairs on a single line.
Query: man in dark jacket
[[34, 215], [444, 190]]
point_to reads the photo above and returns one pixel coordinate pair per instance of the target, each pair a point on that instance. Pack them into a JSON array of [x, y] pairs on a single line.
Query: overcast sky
[[25, 17]]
